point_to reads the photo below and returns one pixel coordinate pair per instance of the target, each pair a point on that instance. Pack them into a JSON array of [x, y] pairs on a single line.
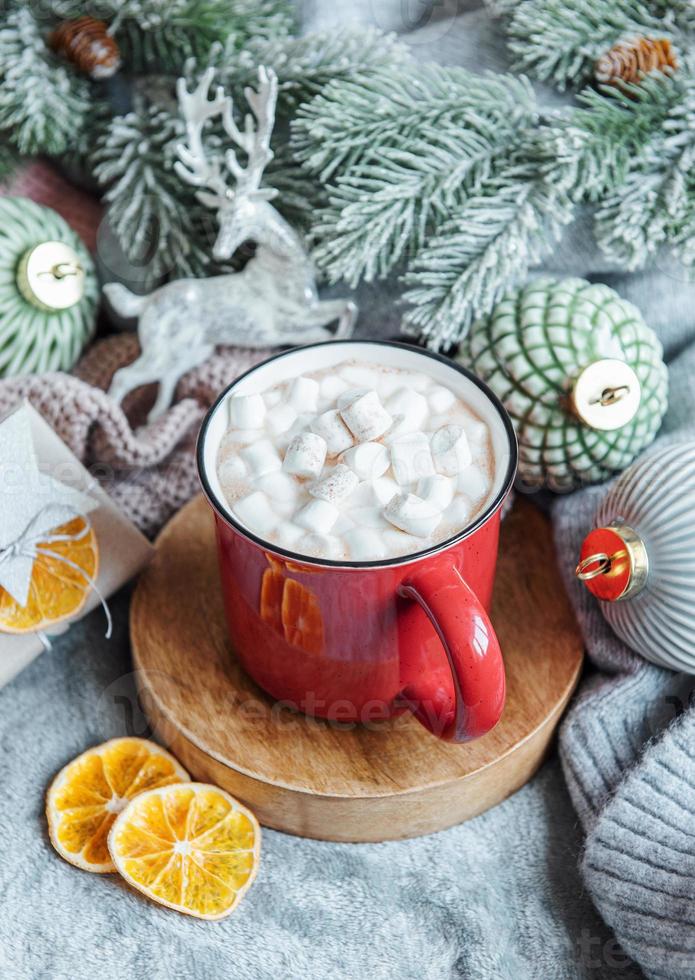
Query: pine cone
[[630, 61], [87, 44]]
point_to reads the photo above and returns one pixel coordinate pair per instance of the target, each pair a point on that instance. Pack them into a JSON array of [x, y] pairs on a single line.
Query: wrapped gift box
[[123, 550]]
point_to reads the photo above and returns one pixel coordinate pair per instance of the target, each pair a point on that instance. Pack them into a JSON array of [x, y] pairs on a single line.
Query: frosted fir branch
[[593, 147], [382, 214], [679, 13], [306, 65], [412, 144], [155, 217], [631, 224], [43, 106], [655, 205], [191, 28], [352, 121], [559, 42], [502, 8], [681, 128], [159, 35], [480, 252]]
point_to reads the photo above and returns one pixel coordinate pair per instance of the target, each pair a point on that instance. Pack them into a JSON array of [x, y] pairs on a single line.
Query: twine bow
[[29, 545]]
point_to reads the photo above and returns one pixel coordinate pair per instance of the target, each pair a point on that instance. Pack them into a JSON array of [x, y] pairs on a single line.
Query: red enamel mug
[[363, 641]]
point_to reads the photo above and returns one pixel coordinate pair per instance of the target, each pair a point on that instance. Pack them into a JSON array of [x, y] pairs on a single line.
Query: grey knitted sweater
[[627, 753]]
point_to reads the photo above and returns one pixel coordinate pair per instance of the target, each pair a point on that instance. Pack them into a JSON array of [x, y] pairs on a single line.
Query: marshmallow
[[337, 486], [288, 535], [410, 410], [475, 430], [389, 382], [363, 496], [458, 514], [368, 516], [438, 421], [343, 524], [333, 430], [304, 394], [331, 387], [415, 382], [261, 457], [256, 513], [305, 455], [412, 514], [473, 482], [365, 545], [437, 490], [242, 437], [272, 397], [246, 411], [441, 399], [400, 543], [450, 450], [384, 489], [280, 419], [323, 546], [349, 395], [231, 468], [301, 424], [318, 516], [281, 489], [366, 417], [369, 460], [374, 493], [411, 458], [361, 376]]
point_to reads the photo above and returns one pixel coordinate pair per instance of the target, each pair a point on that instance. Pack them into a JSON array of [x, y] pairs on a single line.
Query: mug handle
[[473, 652]]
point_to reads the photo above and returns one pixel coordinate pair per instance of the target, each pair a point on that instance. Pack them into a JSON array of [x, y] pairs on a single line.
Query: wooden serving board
[[337, 782]]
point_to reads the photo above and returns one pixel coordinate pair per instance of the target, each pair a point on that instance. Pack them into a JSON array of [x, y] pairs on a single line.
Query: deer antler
[[255, 141], [194, 166]]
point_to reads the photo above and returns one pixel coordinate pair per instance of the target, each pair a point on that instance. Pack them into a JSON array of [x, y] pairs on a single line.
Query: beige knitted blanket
[[149, 470]]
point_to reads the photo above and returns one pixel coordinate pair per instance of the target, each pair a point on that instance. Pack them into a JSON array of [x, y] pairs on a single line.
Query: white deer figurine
[[272, 301]]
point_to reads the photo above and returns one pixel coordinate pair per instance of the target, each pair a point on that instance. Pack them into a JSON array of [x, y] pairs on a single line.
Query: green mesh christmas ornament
[[580, 373], [48, 290]]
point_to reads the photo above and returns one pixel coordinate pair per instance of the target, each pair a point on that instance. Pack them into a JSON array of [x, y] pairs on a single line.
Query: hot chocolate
[[357, 462]]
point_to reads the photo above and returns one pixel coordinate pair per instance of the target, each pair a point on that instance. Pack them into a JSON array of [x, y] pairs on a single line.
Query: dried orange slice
[[86, 796], [59, 581], [191, 847]]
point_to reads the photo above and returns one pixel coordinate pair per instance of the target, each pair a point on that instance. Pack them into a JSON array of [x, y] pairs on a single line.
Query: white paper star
[[24, 493]]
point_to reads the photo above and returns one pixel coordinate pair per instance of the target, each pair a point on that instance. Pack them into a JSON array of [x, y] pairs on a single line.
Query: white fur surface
[[498, 898]]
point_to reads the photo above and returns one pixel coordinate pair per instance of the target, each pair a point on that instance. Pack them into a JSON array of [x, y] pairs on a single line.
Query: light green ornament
[[48, 290], [580, 373]]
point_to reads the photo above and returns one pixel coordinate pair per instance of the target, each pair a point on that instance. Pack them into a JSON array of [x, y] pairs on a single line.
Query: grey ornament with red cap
[[639, 557]]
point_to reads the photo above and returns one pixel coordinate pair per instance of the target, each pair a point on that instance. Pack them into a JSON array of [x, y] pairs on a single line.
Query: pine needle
[[43, 105]]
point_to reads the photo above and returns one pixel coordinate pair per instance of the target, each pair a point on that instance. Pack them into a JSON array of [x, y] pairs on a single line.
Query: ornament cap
[[606, 394], [50, 276], [614, 563]]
